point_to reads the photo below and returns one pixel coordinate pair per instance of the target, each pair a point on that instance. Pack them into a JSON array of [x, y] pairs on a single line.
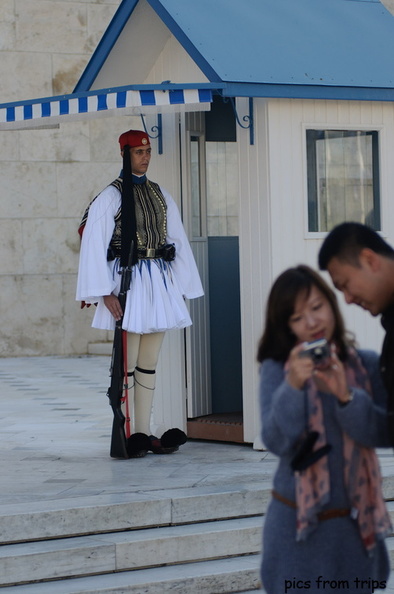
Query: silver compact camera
[[318, 351]]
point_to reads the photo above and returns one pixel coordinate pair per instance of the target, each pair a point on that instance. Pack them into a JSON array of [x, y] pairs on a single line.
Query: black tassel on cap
[[129, 226]]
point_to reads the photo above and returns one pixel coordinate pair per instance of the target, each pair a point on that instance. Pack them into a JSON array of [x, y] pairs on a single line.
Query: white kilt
[[156, 299], [154, 302]]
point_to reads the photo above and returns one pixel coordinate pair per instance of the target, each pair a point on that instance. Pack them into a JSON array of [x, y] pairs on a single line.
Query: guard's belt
[[167, 252]]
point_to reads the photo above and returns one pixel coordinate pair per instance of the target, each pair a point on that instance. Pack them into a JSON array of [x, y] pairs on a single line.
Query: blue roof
[[283, 48]]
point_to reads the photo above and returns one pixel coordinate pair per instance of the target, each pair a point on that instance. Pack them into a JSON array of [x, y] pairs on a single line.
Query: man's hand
[[112, 303]]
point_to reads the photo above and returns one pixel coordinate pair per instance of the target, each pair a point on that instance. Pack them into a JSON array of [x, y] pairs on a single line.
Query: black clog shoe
[[168, 443], [138, 445]]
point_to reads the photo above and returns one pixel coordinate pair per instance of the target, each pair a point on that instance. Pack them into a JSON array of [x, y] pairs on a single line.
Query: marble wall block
[[27, 189], [62, 26], [25, 75], [11, 245], [32, 315], [49, 246], [7, 36], [7, 11], [66, 72], [9, 150], [78, 184], [78, 332], [68, 143]]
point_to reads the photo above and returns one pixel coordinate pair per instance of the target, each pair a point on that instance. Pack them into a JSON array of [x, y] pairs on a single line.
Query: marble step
[[121, 551], [222, 576], [234, 575], [75, 516], [100, 348], [127, 511]]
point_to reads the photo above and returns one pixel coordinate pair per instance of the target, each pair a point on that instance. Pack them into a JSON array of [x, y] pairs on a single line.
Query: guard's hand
[[112, 303], [299, 369]]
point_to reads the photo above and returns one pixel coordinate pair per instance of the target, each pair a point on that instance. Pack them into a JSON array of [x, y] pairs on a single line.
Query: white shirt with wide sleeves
[[156, 299]]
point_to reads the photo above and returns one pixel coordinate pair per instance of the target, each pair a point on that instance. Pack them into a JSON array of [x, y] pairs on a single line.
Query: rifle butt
[[118, 438]]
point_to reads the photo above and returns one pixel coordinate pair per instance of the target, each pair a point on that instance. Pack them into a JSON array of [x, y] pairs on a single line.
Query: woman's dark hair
[[278, 340]]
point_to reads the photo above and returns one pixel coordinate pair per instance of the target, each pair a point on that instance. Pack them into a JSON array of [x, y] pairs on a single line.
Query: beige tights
[[142, 355]]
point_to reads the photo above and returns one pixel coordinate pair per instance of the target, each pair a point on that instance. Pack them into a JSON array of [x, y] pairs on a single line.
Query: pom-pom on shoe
[[172, 438], [157, 447], [138, 445]]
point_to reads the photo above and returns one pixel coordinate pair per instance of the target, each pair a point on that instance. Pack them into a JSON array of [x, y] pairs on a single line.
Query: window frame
[[376, 164]]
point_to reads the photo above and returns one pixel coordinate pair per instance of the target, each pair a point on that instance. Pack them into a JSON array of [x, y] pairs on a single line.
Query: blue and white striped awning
[[131, 100]]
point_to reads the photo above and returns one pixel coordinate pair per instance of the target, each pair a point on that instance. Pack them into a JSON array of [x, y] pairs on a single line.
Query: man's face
[[140, 159], [365, 285]]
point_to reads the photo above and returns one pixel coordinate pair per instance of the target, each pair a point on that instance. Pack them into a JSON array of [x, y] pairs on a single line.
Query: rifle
[[117, 370]]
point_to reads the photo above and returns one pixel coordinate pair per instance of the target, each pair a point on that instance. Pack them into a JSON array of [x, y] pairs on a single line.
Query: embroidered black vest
[[151, 217]]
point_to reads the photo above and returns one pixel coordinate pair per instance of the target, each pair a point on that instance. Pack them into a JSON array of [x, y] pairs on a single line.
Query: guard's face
[[140, 159]]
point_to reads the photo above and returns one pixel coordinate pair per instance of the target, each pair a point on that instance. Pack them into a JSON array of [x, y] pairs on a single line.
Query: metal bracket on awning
[[159, 129], [246, 118]]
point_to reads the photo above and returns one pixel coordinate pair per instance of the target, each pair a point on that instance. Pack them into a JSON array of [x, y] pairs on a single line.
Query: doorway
[[215, 397]]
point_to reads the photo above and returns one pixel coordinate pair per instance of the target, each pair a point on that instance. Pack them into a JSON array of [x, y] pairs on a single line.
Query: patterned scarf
[[361, 472]]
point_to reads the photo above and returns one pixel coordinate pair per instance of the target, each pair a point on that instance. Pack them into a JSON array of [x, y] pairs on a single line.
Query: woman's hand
[[333, 377], [299, 369], [112, 303]]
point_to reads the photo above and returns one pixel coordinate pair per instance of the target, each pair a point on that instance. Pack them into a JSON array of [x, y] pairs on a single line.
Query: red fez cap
[[133, 138]]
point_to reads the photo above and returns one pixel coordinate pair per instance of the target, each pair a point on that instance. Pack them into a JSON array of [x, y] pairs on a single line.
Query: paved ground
[[55, 425]]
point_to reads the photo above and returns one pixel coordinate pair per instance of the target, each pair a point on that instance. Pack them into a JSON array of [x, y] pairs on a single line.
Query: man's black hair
[[346, 241]]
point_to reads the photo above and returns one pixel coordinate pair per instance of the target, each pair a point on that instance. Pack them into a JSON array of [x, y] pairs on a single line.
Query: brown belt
[[328, 514]]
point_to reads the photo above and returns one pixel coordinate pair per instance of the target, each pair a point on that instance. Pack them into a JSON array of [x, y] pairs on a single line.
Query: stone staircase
[[188, 541], [185, 542]]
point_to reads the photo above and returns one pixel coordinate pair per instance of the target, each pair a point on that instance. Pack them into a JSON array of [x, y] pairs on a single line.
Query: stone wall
[[48, 176], [389, 4]]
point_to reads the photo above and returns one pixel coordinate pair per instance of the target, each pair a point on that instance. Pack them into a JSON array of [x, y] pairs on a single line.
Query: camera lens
[[318, 355]]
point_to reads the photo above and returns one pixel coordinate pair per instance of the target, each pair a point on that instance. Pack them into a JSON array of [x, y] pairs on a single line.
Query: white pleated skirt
[[154, 302]]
